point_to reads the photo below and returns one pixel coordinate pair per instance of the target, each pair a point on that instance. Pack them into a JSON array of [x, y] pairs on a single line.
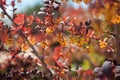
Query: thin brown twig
[[34, 50], [6, 13]]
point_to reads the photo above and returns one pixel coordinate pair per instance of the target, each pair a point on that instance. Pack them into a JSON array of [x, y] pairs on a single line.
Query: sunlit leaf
[[24, 47]]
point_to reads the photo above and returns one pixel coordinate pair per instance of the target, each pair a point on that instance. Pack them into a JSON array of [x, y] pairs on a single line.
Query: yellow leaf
[[49, 30], [77, 1], [24, 47], [87, 1], [116, 19], [103, 43]]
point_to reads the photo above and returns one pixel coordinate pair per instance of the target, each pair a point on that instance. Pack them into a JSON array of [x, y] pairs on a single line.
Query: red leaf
[[13, 54], [59, 64], [55, 58], [19, 19], [2, 2], [30, 19], [13, 32], [57, 49], [88, 72], [13, 3], [38, 20], [27, 30]]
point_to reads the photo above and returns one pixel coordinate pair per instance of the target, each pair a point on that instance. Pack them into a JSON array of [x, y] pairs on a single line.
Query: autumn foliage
[[60, 42]]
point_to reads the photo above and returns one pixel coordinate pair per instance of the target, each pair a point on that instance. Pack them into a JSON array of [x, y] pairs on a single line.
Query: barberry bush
[[60, 42]]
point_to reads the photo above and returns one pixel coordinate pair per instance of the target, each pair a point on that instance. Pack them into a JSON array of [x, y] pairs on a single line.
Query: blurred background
[[87, 60]]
